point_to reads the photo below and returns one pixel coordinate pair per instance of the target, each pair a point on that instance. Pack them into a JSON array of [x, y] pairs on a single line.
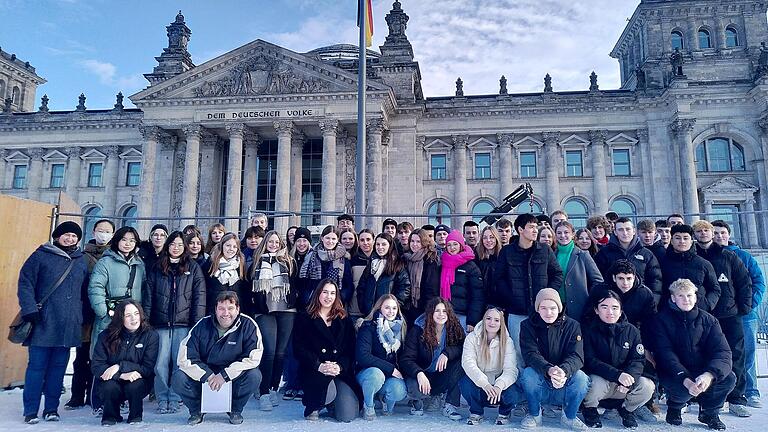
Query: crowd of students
[[528, 316]]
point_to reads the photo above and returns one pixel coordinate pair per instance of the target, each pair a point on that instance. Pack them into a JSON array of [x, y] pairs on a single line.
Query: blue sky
[[100, 47]]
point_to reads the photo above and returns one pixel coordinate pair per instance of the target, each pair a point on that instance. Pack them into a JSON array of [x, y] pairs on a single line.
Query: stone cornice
[[264, 99], [67, 126]]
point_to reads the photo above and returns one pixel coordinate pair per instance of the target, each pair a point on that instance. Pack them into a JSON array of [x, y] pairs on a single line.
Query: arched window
[[624, 207], [719, 155], [577, 212], [731, 38], [16, 95], [439, 212], [2, 91], [481, 209], [705, 41], [92, 214], [130, 214], [677, 40], [529, 206]]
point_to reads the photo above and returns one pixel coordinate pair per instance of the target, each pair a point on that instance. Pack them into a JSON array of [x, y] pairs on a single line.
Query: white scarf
[[273, 278], [389, 333], [377, 267], [229, 271]]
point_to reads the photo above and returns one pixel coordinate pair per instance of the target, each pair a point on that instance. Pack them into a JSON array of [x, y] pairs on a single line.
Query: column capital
[[298, 137], [283, 127], [250, 137], [112, 151], [750, 202], [550, 138], [460, 141], [329, 126], [375, 125], [642, 135], [505, 139], [4, 153], [680, 126], [168, 142], [208, 139], [235, 130], [598, 136], [36, 153], [193, 130], [421, 141], [149, 132]]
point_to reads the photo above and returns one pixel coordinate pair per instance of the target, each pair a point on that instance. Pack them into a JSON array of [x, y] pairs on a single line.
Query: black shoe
[[31, 419], [52, 416], [135, 420], [108, 422], [627, 418], [712, 420], [73, 405], [674, 416], [235, 418], [195, 419], [591, 417]]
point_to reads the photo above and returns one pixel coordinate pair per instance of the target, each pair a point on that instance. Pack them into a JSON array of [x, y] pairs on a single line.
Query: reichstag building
[[266, 128]]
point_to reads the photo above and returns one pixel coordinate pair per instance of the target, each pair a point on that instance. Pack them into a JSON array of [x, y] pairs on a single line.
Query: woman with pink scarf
[[461, 281]]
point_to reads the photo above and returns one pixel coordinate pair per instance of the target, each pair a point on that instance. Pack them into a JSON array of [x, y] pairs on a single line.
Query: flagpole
[[360, 159]]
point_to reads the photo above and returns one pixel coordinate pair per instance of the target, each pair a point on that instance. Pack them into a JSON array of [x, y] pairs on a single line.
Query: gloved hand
[[33, 317]]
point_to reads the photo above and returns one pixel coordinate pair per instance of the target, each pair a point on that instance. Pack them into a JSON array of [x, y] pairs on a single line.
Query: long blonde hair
[[217, 253], [482, 252], [503, 335], [282, 256], [377, 307]]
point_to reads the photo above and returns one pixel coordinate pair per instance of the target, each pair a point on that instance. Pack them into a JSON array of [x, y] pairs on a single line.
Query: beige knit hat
[[549, 294]]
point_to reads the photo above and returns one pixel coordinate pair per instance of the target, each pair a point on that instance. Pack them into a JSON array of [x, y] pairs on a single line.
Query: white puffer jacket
[[494, 373]]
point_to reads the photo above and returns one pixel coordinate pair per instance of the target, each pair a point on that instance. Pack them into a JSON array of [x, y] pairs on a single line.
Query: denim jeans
[[44, 376], [750, 368], [373, 381], [275, 328], [513, 325], [478, 400], [168, 351], [538, 390]]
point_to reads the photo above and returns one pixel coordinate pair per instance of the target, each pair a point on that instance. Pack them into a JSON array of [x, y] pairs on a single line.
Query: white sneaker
[[574, 424], [265, 403], [451, 412], [274, 397], [754, 402], [531, 422], [739, 410], [644, 414], [474, 419]]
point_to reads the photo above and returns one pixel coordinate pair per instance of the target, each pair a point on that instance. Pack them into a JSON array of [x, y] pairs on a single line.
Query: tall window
[[624, 207], [577, 212], [312, 181], [133, 177], [439, 212], [482, 165], [19, 177], [705, 41], [130, 216], [730, 214], [527, 164], [731, 38], [91, 216], [438, 167], [677, 40], [719, 155], [95, 174], [481, 209], [573, 164], [266, 174], [621, 165], [57, 176], [529, 206]]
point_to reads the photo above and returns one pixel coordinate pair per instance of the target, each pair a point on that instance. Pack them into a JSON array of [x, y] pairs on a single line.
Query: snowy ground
[[288, 417]]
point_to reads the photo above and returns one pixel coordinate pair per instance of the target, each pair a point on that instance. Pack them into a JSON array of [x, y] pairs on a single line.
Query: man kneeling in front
[[222, 347]]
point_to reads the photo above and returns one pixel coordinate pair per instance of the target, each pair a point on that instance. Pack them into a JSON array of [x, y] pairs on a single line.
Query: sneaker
[[299, 395], [369, 413], [502, 419], [289, 394], [739, 410], [573, 424], [98, 412], [645, 414], [31, 419], [108, 422], [627, 418], [474, 419], [611, 414], [451, 412], [174, 407], [417, 407], [313, 416], [265, 402], [135, 420], [73, 405], [195, 419], [712, 420], [152, 397], [548, 412], [685, 409], [591, 417], [385, 410], [51, 416], [521, 409], [674, 416], [235, 418], [274, 397], [124, 408], [754, 402], [162, 407], [434, 403], [530, 422]]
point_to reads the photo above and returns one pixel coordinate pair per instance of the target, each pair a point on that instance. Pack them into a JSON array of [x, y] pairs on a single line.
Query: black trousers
[[115, 391], [733, 329], [82, 378], [446, 381], [191, 391], [709, 401]]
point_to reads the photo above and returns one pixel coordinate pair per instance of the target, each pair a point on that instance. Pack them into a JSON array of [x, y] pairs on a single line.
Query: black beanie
[[161, 226], [68, 227], [681, 228], [302, 233]]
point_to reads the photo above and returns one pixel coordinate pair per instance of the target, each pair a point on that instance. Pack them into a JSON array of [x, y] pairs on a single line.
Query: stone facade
[[686, 130]]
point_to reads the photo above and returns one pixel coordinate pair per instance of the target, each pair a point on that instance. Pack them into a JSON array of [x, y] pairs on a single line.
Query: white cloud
[[107, 75]]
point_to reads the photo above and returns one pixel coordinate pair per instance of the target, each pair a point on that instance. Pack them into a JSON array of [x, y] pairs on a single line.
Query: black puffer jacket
[[520, 274], [371, 353], [735, 283], [417, 356], [558, 344], [137, 353], [467, 292], [611, 349], [637, 304], [369, 289], [658, 250], [688, 265], [487, 267], [174, 300], [645, 262]]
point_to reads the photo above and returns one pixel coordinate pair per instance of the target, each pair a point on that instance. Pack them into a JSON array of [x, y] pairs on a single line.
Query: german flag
[[368, 22]]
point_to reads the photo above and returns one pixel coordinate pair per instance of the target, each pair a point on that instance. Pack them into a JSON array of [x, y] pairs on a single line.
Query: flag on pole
[[368, 22]]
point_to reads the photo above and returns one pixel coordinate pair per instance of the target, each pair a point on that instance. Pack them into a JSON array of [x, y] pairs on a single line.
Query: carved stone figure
[[762, 63], [503, 85], [459, 87], [676, 59], [547, 84], [593, 82], [44, 103], [81, 104], [119, 104], [640, 77]]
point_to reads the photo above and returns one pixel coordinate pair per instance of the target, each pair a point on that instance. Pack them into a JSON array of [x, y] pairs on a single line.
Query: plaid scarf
[[273, 278]]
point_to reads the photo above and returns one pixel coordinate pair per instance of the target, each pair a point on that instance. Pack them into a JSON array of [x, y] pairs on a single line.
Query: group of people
[[529, 316]]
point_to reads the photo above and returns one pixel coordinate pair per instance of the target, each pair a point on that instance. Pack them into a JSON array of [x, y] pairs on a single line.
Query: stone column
[[682, 129], [459, 179], [750, 240], [251, 145], [708, 210], [645, 155], [111, 177], [374, 128], [283, 178], [599, 180], [551, 140], [3, 165], [505, 163], [35, 173], [151, 136], [72, 173], [329, 127], [761, 163], [234, 175], [192, 133], [297, 175], [420, 157], [210, 178]]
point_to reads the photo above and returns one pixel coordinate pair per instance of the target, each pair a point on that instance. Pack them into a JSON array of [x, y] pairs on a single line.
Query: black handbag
[[112, 302], [19, 330]]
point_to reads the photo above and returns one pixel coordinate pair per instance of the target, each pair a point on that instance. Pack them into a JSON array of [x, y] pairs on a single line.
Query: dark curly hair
[[454, 335]]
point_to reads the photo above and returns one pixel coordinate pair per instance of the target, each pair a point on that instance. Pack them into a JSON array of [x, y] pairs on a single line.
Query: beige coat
[[501, 376]]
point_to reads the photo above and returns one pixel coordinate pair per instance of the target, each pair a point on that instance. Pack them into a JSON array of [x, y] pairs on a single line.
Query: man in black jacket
[[523, 268], [692, 357], [735, 302], [220, 348], [637, 301]]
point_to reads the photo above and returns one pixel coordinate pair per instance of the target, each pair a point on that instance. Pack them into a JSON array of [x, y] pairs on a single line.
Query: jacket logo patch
[[578, 338], [639, 258], [139, 345], [722, 278], [640, 349], [231, 343], [626, 345]]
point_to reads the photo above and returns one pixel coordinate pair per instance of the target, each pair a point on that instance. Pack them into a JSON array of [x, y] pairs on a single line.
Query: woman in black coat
[[461, 281], [486, 253], [384, 274], [324, 344], [225, 271], [123, 363], [423, 266]]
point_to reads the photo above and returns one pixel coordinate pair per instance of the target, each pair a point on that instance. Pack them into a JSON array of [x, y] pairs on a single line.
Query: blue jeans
[[750, 368], [44, 376], [168, 351], [478, 400], [538, 390], [373, 381]]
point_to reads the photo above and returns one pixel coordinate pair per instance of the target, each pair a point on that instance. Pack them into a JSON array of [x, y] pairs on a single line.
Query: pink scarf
[[451, 262]]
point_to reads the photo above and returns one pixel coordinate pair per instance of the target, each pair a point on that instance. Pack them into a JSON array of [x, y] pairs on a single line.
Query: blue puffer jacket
[[756, 274], [62, 317]]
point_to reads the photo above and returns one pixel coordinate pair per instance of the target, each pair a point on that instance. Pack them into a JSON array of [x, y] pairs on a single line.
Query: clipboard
[[216, 401]]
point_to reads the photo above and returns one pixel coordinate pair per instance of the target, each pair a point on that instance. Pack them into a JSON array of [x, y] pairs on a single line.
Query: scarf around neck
[[450, 264], [273, 278], [563, 258], [313, 267], [390, 333], [377, 267], [415, 261], [229, 271]]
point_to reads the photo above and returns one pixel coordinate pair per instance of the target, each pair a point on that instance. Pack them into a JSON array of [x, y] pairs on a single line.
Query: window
[[577, 212], [133, 178], [621, 166], [624, 207], [57, 176], [16, 94], [91, 216], [438, 167], [94, 174], [311, 181], [481, 209], [573, 164], [482, 165], [719, 155], [129, 215], [266, 176], [731, 38], [19, 177], [677, 40], [529, 206], [527, 164], [705, 41], [730, 214], [439, 212]]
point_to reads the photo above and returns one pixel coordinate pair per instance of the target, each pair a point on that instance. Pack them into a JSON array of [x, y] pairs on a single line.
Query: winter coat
[[203, 353], [638, 304], [429, 289], [755, 274], [110, 280], [468, 293], [302, 286], [61, 315], [175, 300], [687, 344], [315, 343], [255, 302], [558, 344], [688, 265], [369, 352], [610, 349], [521, 274], [658, 250], [487, 267], [358, 264], [645, 262], [93, 254], [417, 356], [213, 287], [735, 283], [147, 254], [483, 372], [137, 353], [369, 289], [581, 275]]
